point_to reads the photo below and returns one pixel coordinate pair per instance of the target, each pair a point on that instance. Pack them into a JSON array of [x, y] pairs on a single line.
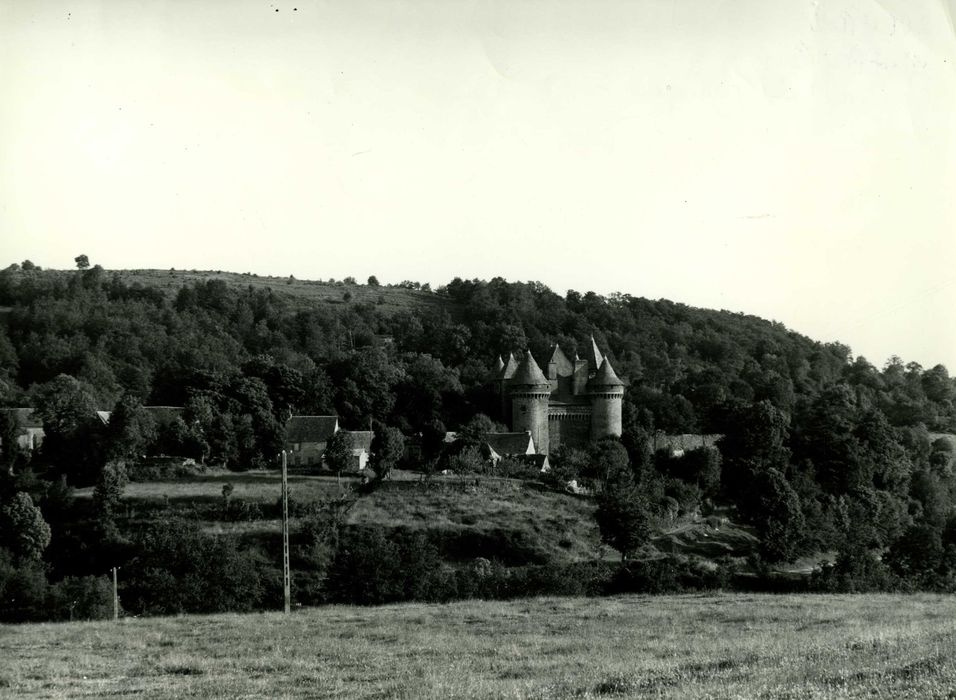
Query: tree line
[[822, 451]]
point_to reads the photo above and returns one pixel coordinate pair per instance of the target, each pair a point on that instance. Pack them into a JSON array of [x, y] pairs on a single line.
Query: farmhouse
[[361, 447], [29, 428], [305, 438]]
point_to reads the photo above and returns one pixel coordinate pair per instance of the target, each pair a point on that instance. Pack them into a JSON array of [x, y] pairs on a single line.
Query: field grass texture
[[691, 646]]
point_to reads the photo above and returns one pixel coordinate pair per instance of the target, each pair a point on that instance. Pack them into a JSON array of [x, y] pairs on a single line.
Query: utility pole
[[286, 574], [115, 596]]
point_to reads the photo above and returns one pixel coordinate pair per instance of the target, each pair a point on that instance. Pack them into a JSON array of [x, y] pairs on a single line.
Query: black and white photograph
[[480, 350]]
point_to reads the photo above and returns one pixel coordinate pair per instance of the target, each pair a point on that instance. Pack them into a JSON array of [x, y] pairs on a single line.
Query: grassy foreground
[[693, 646]]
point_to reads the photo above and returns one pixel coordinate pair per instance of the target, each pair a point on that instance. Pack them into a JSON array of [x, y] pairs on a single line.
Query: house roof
[[25, 417], [310, 428], [164, 414], [528, 373], [605, 376], [509, 443], [104, 416], [539, 462], [361, 440]]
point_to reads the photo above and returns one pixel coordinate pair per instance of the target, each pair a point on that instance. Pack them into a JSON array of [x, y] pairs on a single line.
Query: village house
[[306, 438], [29, 428]]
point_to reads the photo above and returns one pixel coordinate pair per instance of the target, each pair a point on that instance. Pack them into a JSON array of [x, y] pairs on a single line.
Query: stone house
[[305, 438], [29, 428], [361, 448]]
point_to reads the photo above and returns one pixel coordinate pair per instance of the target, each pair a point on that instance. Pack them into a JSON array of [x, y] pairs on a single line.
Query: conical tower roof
[[528, 373], [557, 355], [508, 368], [605, 377], [593, 356]]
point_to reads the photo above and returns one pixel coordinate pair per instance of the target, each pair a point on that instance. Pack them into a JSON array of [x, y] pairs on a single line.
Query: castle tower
[[530, 390], [606, 391], [504, 371]]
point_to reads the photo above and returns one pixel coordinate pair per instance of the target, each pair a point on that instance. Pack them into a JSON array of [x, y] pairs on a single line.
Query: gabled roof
[[605, 376], [163, 415], [593, 355], [528, 373], [310, 428], [104, 416], [509, 443], [561, 361], [510, 366], [25, 417], [539, 462], [361, 440]]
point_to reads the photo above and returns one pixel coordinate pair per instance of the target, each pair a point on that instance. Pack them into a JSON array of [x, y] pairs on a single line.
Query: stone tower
[[606, 392], [530, 391]]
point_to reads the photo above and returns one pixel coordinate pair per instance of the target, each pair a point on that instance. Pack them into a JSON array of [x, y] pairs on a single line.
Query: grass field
[[561, 524], [299, 292], [258, 486], [706, 646]]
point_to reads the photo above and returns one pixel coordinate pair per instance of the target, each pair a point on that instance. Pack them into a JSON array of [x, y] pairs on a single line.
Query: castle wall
[[569, 430]]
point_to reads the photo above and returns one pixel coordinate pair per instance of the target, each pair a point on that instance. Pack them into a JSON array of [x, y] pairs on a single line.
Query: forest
[[821, 450]]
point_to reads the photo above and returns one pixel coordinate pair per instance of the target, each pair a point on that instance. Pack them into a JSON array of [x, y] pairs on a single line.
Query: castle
[[578, 401]]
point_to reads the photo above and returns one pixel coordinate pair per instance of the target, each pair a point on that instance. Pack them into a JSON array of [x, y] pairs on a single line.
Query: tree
[[623, 515], [778, 517], [9, 447], [338, 451], [131, 429], [608, 459], [372, 281], [388, 444], [474, 431], [917, 556], [27, 266], [72, 439], [24, 531], [755, 441], [568, 463], [108, 493], [82, 262]]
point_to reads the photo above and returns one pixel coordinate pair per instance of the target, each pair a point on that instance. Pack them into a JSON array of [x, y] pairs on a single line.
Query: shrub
[[180, 569], [81, 598], [23, 589]]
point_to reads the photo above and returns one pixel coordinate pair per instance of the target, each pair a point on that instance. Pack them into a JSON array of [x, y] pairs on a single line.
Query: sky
[[792, 159]]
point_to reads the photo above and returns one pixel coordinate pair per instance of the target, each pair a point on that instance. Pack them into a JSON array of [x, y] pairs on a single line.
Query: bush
[[81, 598], [179, 569], [23, 589], [856, 571], [369, 569]]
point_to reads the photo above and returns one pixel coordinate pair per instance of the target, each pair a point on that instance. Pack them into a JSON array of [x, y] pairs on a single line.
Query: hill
[[300, 293], [713, 645], [821, 452]]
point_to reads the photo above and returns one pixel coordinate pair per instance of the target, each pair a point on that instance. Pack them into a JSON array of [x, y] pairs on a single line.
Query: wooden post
[[286, 574], [115, 596]]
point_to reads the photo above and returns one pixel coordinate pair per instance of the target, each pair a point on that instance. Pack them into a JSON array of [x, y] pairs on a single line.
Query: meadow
[[691, 646]]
